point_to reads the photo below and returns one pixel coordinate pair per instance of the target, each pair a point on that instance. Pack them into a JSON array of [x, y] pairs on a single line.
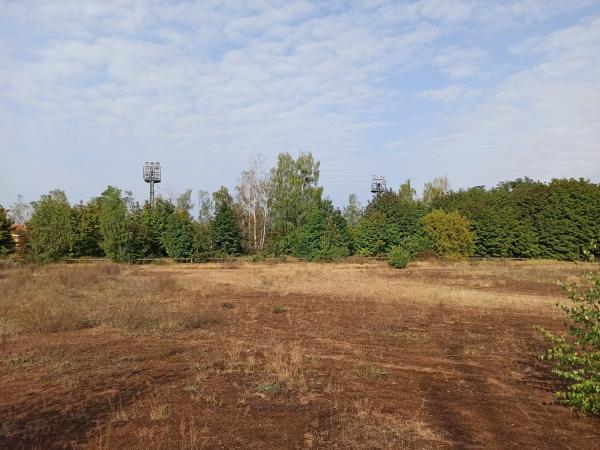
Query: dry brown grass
[[366, 426], [341, 355], [67, 297], [481, 284]]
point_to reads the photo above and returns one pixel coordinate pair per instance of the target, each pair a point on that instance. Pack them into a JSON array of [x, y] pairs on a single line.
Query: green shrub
[[399, 257], [592, 251], [450, 234], [576, 356], [203, 257], [257, 257]]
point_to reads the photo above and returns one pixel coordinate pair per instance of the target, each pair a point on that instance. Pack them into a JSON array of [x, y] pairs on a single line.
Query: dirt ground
[[289, 355]]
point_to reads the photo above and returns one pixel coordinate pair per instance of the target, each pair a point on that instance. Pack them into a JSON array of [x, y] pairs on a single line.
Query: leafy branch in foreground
[[576, 356]]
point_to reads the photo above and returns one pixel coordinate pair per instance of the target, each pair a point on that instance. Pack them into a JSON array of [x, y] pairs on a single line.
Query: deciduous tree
[[52, 227], [7, 244], [251, 198], [435, 189], [450, 234], [121, 230]]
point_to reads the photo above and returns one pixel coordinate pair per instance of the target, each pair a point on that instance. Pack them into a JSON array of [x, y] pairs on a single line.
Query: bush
[[450, 235], [257, 257], [399, 257], [576, 356], [203, 257]]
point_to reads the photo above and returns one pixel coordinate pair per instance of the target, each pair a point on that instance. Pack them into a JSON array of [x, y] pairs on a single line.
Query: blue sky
[[481, 91]]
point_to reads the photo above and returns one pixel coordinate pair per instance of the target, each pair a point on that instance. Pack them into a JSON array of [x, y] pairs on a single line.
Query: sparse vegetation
[[78, 297], [576, 355], [364, 357], [271, 388], [15, 361], [370, 372]]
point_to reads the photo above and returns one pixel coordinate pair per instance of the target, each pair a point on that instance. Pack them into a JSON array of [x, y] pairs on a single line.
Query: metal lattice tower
[[152, 175], [378, 185]]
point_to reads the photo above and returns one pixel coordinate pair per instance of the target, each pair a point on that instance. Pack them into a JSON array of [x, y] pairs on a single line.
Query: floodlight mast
[[378, 185], [152, 175]]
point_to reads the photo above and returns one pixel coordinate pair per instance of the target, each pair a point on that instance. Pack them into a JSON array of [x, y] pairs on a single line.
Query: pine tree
[[178, 235], [225, 234]]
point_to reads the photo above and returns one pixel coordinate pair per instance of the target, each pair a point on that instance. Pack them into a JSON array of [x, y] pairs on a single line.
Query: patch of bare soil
[[293, 371]]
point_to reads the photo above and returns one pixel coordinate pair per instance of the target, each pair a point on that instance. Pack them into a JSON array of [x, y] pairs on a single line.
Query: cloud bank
[[481, 91]]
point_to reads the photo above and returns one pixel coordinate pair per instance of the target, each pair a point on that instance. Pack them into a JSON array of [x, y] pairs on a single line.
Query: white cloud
[[541, 121], [459, 62], [446, 94], [203, 86]]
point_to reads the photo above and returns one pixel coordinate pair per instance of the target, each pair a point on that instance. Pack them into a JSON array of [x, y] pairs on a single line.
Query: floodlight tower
[[378, 185], [152, 175]]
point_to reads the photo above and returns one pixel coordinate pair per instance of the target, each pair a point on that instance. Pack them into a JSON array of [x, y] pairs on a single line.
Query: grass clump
[[16, 361], [399, 257], [159, 412], [370, 372], [278, 309], [271, 388]]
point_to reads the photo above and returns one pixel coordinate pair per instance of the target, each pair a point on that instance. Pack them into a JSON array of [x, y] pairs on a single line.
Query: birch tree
[[251, 199]]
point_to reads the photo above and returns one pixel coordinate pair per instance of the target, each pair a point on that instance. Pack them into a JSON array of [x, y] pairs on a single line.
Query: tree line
[[283, 211]]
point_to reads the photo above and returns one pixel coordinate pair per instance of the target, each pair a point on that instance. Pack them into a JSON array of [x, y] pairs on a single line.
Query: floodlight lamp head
[[378, 185], [152, 172]]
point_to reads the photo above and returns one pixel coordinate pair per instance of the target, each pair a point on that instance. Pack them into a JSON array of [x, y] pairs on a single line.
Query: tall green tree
[[375, 235], [154, 220], [294, 192], [323, 236], [405, 215], [226, 236], [52, 229], [178, 235], [87, 229], [526, 218], [201, 237], [7, 244], [121, 229]]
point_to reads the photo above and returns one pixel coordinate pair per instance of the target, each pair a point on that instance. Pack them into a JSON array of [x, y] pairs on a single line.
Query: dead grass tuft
[[368, 427], [370, 373], [68, 297]]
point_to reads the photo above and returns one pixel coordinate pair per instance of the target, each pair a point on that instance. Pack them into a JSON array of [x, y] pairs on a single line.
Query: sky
[[481, 91]]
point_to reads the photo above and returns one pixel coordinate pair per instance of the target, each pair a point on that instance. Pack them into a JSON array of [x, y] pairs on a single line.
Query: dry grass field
[[287, 355]]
